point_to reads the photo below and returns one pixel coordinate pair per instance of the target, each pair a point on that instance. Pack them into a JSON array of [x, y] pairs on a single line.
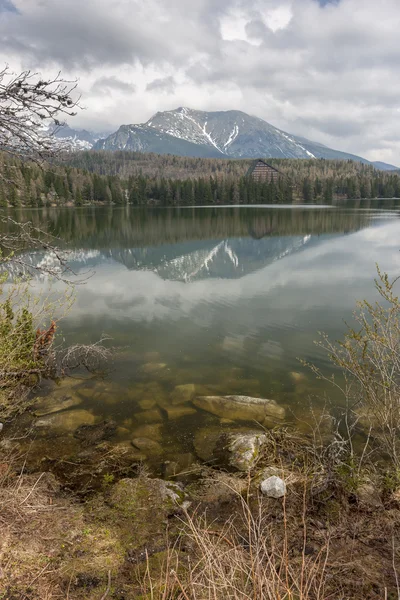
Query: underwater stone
[[152, 368], [273, 487], [297, 377], [147, 403], [148, 416], [152, 431], [241, 408], [67, 421], [56, 403], [183, 394], [176, 412], [90, 435], [147, 446]]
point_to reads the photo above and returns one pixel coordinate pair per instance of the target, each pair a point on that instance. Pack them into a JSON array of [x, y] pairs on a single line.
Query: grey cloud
[[84, 35], [164, 85], [112, 83], [256, 29]]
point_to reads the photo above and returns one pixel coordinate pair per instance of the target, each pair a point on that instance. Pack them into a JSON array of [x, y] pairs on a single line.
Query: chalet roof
[[260, 160]]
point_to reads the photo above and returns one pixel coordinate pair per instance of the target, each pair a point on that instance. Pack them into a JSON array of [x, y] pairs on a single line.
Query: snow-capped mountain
[[229, 258], [76, 139], [229, 134]]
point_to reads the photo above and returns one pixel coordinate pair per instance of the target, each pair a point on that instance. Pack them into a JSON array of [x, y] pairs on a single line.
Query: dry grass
[[32, 523], [248, 558]]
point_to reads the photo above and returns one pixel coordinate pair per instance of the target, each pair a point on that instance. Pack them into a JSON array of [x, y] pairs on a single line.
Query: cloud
[[112, 83], [328, 70], [7, 6], [164, 85]]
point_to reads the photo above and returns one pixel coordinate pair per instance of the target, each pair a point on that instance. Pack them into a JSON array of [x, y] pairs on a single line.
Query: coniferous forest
[[149, 179]]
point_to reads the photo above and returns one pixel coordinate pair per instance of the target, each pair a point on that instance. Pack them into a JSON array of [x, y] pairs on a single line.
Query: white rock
[[273, 487]]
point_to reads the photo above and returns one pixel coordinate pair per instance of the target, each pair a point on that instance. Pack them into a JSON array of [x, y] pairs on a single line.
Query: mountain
[[382, 166], [224, 134], [77, 139], [229, 258], [143, 138]]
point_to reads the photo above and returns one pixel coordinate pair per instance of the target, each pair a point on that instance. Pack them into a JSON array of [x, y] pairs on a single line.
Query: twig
[[104, 596]]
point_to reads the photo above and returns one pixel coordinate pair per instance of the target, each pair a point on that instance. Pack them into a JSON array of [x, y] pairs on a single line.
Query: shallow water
[[227, 299]]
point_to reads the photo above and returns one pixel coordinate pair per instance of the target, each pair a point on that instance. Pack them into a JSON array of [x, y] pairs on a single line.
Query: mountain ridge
[[211, 134], [227, 134]]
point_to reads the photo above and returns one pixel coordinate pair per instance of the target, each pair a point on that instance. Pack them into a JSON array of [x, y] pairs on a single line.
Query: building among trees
[[262, 171]]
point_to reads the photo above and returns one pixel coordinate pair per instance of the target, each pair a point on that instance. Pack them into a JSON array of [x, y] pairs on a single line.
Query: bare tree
[[30, 107]]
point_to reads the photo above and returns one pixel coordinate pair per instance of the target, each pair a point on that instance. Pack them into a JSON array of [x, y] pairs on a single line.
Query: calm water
[[225, 298]]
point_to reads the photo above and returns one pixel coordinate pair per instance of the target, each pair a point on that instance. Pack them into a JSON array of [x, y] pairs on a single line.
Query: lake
[[222, 300]]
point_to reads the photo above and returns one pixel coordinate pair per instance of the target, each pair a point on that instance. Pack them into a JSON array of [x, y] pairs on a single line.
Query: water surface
[[227, 299]]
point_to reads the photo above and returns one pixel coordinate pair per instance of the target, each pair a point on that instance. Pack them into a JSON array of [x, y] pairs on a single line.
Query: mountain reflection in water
[[224, 298]]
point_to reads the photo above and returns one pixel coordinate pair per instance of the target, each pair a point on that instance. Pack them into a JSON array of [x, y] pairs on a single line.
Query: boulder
[[238, 451], [273, 487], [182, 394], [232, 450], [241, 408]]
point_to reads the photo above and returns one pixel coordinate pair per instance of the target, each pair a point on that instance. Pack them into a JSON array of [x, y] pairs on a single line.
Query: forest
[[164, 180]]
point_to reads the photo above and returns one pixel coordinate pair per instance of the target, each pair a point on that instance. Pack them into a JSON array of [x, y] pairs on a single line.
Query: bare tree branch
[[30, 107]]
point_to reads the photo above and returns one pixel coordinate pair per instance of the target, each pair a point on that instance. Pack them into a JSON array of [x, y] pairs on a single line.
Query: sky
[[325, 69]]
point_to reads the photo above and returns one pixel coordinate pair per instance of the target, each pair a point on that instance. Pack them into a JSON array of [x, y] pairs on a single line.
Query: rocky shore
[[100, 504]]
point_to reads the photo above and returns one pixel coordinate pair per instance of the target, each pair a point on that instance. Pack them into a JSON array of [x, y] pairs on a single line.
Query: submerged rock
[[205, 440], [297, 377], [149, 447], [56, 403], [152, 368], [182, 394], [241, 408], [273, 487], [176, 412], [152, 431], [93, 434], [148, 416], [68, 420]]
